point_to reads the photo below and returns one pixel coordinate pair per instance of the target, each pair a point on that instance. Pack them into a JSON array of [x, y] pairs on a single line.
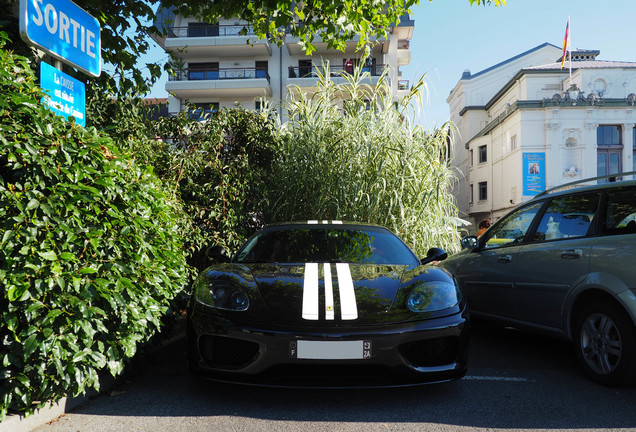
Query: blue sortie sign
[[63, 30]]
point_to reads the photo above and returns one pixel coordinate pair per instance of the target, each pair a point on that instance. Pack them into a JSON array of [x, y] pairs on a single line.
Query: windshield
[[342, 244]]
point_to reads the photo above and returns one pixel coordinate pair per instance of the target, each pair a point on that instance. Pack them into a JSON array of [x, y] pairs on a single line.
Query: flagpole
[[570, 49]]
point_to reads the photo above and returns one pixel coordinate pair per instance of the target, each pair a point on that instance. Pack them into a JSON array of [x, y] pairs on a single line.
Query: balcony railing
[[313, 72], [210, 30], [403, 84], [196, 74]]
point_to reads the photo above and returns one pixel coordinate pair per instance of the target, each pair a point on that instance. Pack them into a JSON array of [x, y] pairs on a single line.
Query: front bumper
[[401, 354]]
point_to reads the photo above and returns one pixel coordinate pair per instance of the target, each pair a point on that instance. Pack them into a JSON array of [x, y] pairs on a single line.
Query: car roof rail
[[577, 182]]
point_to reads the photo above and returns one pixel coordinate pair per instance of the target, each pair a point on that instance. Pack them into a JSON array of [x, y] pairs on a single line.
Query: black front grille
[[433, 352], [228, 353]]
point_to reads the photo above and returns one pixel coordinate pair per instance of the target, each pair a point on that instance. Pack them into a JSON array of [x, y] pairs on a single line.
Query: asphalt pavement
[[515, 382]]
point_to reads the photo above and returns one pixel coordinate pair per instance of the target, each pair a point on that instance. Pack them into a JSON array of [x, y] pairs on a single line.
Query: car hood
[[300, 293]]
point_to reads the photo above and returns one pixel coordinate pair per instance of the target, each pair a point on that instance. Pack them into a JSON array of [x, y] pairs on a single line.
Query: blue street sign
[[66, 95], [64, 30]]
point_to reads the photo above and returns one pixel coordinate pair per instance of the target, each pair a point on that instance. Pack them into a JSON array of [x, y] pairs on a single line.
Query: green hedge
[[219, 169], [90, 250]]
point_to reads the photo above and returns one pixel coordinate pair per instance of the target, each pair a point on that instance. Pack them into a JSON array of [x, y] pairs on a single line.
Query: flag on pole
[[566, 43]]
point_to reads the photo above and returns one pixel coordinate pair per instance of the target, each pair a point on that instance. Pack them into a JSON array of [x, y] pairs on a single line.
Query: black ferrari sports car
[[327, 304]]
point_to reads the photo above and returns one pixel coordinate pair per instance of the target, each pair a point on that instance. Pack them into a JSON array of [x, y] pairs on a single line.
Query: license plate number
[[330, 350]]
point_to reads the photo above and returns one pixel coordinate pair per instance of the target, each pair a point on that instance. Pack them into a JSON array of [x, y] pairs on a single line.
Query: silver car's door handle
[[572, 254], [504, 258]]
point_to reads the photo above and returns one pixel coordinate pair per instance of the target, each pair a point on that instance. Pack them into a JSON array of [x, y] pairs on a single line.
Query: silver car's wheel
[[605, 341], [601, 343]]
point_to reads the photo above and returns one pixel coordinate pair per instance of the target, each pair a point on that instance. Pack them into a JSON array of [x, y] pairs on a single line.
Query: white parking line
[[495, 378]]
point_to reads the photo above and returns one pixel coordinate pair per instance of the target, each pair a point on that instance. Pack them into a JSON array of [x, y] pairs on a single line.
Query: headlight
[[432, 296], [221, 294]]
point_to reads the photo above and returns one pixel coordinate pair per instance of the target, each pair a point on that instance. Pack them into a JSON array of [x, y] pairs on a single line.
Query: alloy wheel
[[601, 343]]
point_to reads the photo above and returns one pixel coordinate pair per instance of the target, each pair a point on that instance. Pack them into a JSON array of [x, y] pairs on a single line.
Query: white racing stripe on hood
[[329, 313], [310, 292], [347, 294]]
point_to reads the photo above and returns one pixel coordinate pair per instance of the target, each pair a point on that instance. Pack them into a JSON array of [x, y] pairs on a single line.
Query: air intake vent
[[433, 352], [228, 353]]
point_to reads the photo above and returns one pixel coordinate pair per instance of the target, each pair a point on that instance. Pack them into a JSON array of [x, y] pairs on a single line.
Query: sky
[[451, 36]]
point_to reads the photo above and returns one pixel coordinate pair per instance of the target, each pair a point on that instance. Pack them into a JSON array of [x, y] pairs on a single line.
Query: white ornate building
[[220, 68], [526, 125]]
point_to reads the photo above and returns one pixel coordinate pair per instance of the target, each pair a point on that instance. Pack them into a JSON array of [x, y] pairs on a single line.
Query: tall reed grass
[[364, 160]]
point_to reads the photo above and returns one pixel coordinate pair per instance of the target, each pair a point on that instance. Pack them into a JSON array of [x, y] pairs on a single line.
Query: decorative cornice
[[627, 102], [471, 108]]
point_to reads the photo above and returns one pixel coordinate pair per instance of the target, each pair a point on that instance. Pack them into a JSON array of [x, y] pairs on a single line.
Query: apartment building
[[526, 125], [221, 68]]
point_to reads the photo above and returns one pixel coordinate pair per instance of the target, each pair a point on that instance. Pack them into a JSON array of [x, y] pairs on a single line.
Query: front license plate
[[330, 350]]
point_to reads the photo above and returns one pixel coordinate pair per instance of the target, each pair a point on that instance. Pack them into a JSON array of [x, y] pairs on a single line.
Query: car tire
[[605, 342]]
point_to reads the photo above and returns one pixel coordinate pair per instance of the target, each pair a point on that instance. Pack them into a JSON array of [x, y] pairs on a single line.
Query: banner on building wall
[[533, 173]]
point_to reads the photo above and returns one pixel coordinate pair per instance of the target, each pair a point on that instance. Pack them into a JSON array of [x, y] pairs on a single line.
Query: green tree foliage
[[127, 24], [363, 160], [219, 169], [90, 250], [334, 21]]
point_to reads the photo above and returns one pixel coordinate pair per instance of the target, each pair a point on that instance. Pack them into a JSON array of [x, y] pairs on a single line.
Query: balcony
[[351, 47], [205, 40], [404, 52], [219, 83], [306, 77], [335, 71], [404, 30]]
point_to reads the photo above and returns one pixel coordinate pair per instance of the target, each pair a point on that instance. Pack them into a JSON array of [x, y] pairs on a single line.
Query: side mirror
[[434, 254], [470, 242], [217, 253]]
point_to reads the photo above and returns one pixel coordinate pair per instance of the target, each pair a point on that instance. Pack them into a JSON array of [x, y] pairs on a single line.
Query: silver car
[[563, 263]]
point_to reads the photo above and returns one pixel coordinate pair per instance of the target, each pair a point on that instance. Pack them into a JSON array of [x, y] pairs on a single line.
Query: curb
[[53, 410], [18, 423]]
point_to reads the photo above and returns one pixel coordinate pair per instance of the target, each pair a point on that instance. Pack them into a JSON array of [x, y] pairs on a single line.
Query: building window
[[261, 69], [483, 191], [472, 194], [608, 135], [203, 71], [634, 149], [202, 111], [513, 143], [202, 29], [304, 68], [471, 158], [609, 153], [483, 154]]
